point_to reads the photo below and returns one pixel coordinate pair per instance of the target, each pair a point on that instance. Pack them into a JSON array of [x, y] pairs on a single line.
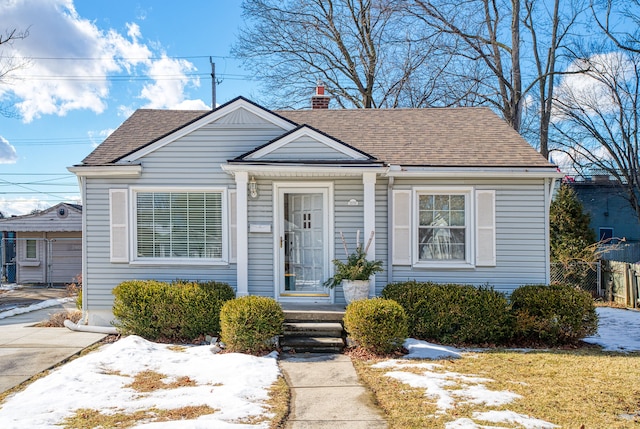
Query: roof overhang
[[475, 172], [302, 170], [107, 171]]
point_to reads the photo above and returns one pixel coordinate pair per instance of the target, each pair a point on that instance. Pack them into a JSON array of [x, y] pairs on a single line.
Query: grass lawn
[[582, 388]]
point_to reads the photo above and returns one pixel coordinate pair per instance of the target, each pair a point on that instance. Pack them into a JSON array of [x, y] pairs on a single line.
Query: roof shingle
[[439, 137]]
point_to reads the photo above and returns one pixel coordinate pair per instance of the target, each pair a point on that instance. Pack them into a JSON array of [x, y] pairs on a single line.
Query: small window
[[32, 249], [606, 234]]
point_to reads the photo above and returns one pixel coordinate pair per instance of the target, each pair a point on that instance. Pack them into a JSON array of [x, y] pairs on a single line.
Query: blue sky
[[90, 64]]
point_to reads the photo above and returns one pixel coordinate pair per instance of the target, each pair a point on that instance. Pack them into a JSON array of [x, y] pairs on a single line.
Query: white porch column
[[369, 181], [242, 265]]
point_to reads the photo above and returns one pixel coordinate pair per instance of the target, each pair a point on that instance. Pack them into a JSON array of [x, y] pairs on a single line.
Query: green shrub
[[248, 324], [174, 311], [377, 325], [453, 313], [553, 315]]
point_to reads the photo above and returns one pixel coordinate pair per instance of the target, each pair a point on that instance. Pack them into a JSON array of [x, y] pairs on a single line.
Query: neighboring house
[[259, 199], [48, 246], [612, 217]]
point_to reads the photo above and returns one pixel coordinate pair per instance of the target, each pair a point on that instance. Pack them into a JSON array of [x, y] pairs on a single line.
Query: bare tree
[[10, 63], [489, 32], [504, 36], [365, 51], [598, 118], [610, 14]]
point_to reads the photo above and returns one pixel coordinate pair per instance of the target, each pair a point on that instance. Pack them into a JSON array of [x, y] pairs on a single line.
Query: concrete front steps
[[313, 330]]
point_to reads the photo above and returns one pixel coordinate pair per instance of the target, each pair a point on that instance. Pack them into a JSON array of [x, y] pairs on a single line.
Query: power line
[[128, 58]]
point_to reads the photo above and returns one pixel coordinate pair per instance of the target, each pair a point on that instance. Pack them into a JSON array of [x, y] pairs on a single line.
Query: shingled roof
[[442, 137]]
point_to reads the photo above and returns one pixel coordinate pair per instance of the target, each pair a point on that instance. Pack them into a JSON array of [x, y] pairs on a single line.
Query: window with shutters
[[443, 226], [179, 225]]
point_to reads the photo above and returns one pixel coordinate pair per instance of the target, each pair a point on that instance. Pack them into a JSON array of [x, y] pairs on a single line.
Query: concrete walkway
[[26, 351], [326, 393]]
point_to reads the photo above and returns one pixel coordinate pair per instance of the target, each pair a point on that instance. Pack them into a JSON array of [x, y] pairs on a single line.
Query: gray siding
[[306, 149], [195, 161], [520, 239], [192, 161]]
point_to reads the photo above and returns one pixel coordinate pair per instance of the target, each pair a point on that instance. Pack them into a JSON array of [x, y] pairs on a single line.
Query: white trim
[[306, 132], [130, 171], [233, 230], [472, 172], [133, 233], [548, 191], [302, 170], [468, 192], [124, 213], [400, 222], [488, 227], [242, 240], [209, 118], [369, 182], [327, 188]]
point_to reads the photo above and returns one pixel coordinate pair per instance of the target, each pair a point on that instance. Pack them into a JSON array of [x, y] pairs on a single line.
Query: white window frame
[[26, 249], [469, 220], [133, 249]]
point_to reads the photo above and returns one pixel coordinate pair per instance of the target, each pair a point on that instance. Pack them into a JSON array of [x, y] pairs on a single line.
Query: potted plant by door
[[354, 274]]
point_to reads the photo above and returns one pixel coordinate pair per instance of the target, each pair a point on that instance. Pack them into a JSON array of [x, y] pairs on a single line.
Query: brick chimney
[[320, 100]]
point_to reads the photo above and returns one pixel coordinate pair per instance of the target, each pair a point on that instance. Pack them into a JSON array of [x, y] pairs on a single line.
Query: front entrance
[[303, 242]]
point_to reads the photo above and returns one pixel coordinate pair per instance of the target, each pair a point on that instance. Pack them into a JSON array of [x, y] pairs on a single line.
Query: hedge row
[[465, 314], [169, 311]]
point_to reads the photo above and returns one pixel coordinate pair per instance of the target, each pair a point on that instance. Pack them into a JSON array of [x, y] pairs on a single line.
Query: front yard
[[584, 388]]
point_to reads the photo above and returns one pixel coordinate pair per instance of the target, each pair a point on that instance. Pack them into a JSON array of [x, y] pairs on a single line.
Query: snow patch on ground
[[39, 306], [618, 330], [235, 384]]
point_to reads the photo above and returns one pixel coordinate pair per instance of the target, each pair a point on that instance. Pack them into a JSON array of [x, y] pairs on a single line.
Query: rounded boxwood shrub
[[249, 324], [178, 311], [453, 313], [377, 325], [553, 315]]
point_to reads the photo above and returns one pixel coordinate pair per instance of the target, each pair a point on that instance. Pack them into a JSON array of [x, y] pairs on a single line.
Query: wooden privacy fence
[[621, 283]]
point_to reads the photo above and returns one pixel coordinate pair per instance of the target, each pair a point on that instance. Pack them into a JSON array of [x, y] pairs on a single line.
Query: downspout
[[109, 330], [82, 181], [549, 186], [390, 230]]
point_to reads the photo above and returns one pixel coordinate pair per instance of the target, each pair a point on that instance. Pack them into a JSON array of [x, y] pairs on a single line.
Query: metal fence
[[586, 276]]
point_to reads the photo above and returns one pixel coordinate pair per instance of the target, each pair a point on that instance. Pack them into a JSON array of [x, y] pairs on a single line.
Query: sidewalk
[[26, 351], [326, 393]]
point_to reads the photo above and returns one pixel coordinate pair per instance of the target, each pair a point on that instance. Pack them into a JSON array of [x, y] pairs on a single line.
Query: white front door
[[303, 242]]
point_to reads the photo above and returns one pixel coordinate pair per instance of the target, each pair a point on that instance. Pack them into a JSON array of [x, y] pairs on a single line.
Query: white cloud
[[20, 206], [592, 89], [169, 94], [98, 137], [54, 84], [8, 153]]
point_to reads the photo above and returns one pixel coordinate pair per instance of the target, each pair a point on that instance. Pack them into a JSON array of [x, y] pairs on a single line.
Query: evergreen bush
[[377, 325], [249, 324], [453, 313], [175, 311], [553, 315]]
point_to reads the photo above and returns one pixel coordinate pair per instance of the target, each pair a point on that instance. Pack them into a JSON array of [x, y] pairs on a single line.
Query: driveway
[[25, 350]]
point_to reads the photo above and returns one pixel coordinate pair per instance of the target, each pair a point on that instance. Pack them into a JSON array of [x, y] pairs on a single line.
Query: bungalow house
[[45, 247], [260, 199]]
